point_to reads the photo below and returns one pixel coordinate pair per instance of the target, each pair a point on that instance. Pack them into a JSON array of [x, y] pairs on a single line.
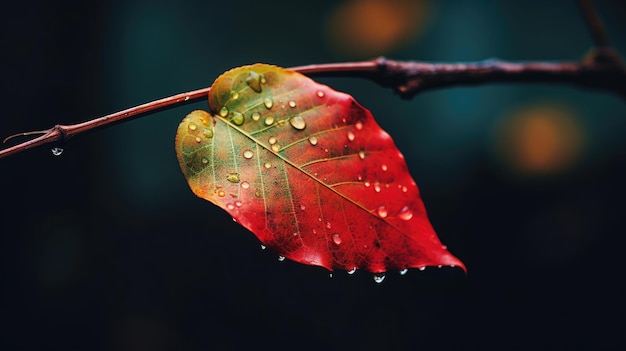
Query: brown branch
[[602, 69]]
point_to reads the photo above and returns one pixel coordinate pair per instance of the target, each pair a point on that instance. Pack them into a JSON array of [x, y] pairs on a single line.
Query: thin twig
[[602, 69]]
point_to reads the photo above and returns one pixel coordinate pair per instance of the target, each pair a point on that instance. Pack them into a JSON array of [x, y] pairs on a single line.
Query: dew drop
[[379, 277], [328, 225], [208, 133], [377, 187], [245, 185], [233, 177], [263, 80], [276, 147], [358, 125], [297, 122], [248, 154], [313, 140], [272, 140], [350, 136], [405, 213], [254, 82], [281, 258], [330, 275], [403, 272], [230, 206], [187, 98], [221, 193], [205, 160], [362, 155], [302, 207], [337, 239], [269, 121], [224, 111], [404, 189], [234, 95], [192, 126], [320, 94], [56, 151], [382, 211], [292, 103], [367, 184], [384, 167], [268, 165], [352, 270], [256, 116], [237, 119], [268, 102], [439, 266], [422, 268], [238, 203], [198, 140], [263, 247]]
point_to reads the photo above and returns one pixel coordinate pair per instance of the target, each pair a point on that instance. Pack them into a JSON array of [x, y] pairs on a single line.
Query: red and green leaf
[[309, 171]]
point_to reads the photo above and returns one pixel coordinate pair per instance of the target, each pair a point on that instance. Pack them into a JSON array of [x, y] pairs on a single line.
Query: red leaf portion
[[309, 172]]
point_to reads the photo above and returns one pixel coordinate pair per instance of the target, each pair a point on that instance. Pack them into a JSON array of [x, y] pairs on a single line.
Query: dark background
[[105, 247]]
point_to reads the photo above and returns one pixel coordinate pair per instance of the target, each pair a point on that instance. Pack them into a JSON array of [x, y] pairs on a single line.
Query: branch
[[602, 69]]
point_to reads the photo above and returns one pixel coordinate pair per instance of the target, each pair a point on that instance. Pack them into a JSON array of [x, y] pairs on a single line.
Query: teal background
[[105, 247]]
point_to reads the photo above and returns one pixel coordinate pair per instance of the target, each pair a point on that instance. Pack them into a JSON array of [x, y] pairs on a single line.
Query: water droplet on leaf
[[221, 193], [233, 177], [362, 155], [192, 126], [256, 116], [377, 187], [245, 185], [403, 272], [292, 103], [224, 111], [234, 95], [352, 270], [263, 247], [405, 213], [350, 136], [248, 154], [268, 102], [56, 151], [297, 122], [237, 119], [254, 82], [208, 133], [268, 165], [269, 121], [358, 125], [337, 239], [313, 140], [198, 140], [272, 140], [320, 93], [422, 268], [276, 147], [382, 211], [230, 206], [205, 160], [379, 277], [384, 167], [238, 203]]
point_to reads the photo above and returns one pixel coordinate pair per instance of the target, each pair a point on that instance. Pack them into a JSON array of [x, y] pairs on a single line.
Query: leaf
[[309, 172]]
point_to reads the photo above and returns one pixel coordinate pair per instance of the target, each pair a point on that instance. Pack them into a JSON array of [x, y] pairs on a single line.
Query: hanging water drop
[[268, 102], [281, 258], [269, 121], [254, 82], [337, 239], [248, 154], [297, 122], [292, 103], [245, 185], [403, 272], [352, 270], [56, 151], [263, 247], [224, 111], [422, 268], [382, 211], [256, 116], [379, 277], [405, 213], [313, 140], [350, 136]]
